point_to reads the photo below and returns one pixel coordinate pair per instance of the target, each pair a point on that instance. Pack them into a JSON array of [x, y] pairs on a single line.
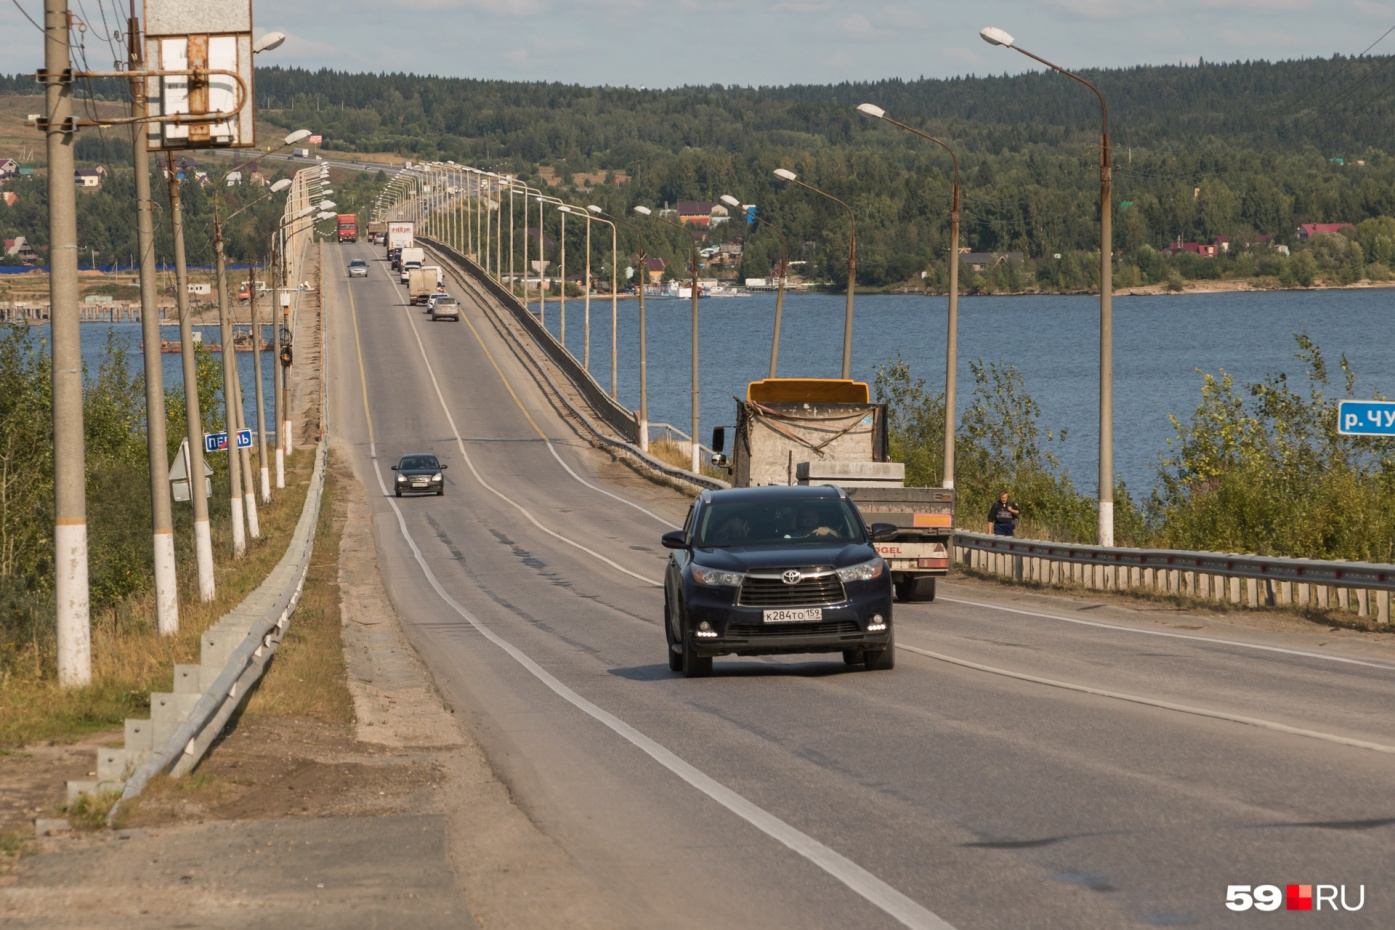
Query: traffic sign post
[[1366, 418], [215, 442]]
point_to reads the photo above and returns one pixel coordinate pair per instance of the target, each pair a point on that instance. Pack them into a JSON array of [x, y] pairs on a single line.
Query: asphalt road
[[1032, 761]]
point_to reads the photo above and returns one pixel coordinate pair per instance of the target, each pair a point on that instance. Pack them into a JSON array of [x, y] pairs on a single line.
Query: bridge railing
[[1249, 580]]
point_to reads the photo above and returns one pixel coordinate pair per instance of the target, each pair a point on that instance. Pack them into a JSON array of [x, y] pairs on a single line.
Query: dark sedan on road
[[419, 473], [776, 570]]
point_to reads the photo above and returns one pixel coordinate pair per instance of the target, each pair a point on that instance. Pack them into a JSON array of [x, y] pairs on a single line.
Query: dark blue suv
[[776, 570]]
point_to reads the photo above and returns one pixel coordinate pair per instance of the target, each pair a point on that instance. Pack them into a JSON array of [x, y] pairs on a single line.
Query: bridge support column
[[1383, 607], [1363, 602], [1344, 598]]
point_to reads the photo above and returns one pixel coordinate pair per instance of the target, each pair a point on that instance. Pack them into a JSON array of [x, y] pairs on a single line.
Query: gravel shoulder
[[393, 820]]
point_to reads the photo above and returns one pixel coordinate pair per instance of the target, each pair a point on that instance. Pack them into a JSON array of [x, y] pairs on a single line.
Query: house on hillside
[[19, 248], [701, 213], [655, 268], [977, 261], [1196, 248], [9, 168], [89, 178], [1308, 230], [26, 173]]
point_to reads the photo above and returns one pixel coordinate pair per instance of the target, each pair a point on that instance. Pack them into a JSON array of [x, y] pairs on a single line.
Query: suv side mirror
[[884, 532], [719, 439], [674, 539], [394, 468]]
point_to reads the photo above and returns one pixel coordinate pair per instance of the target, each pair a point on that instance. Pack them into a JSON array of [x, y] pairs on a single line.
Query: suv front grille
[[820, 590], [776, 631]]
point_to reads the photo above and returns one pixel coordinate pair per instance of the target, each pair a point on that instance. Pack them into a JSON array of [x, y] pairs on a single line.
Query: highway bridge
[[1032, 761]]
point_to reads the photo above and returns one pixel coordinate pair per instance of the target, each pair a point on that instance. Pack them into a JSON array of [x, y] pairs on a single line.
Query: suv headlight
[[436, 477], [866, 571], [715, 578], [401, 477]]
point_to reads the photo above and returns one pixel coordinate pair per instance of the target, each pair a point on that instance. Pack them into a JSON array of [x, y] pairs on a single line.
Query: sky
[[668, 43]]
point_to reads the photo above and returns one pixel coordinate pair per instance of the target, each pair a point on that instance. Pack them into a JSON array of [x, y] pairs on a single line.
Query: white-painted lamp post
[[995, 36]]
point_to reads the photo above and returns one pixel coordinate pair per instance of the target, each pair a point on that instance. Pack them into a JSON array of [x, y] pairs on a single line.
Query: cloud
[[857, 26], [802, 6], [1378, 11], [1256, 40], [969, 58]]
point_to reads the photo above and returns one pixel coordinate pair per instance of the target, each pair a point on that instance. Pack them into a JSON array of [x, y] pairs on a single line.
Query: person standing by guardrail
[[1002, 516]]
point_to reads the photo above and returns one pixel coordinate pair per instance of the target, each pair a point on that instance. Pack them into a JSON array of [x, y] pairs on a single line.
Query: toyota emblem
[[792, 577]]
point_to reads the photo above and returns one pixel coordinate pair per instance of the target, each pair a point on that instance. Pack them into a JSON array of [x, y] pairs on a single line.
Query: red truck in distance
[[348, 227]]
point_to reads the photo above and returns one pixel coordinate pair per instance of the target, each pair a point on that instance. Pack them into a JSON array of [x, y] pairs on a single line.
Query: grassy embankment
[[129, 658]]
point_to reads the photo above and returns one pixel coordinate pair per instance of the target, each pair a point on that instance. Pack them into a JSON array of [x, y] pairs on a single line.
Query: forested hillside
[[1236, 150]]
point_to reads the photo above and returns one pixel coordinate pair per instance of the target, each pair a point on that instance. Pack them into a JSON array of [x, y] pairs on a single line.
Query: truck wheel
[[915, 589], [694, 665], [880, 660]]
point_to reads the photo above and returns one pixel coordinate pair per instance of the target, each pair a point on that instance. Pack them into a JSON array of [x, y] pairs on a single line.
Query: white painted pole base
[[1106, 523], [644, 435], [203, 548], [239, 535], [290, 447], [73, 604], [266, 484], [280, 467], [166, 585], [249, 504], [697, 458]]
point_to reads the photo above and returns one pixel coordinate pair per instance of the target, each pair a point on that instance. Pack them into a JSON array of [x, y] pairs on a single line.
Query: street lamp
[[952, 337], [995, 36], [693, 242], [614, 284], [586, 314], [785, 174], [242, 499], [731, 201], [643, 354]]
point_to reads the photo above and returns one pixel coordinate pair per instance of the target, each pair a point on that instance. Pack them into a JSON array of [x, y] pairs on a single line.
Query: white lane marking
[[1154, 702], [475, 290], [460, 444], [1215, 641], [873, 889]]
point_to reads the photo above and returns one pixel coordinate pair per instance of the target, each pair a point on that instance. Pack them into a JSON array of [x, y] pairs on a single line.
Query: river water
[[1159, 343], [94, 342]]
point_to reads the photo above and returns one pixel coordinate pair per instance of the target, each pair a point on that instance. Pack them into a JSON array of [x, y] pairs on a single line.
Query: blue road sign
[[1366, 418], [215, 442], [244, 439]]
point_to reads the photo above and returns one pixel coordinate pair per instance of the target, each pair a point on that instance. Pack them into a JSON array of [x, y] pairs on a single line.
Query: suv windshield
[[419, 462], [740, 523]]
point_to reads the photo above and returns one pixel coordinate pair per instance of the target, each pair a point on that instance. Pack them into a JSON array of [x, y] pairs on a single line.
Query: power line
[[28, 17]]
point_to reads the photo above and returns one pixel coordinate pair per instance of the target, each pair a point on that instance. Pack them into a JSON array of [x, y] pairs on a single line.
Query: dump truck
[[377, 231], [827, 431], [348, 227], [423, 282]]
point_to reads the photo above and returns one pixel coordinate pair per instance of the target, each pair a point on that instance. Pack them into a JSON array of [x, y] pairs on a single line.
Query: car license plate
[[420, 483], [805, 615]]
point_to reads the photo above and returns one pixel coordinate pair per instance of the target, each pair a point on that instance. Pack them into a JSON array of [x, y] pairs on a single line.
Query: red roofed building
[[701, 213], [1309, 230]]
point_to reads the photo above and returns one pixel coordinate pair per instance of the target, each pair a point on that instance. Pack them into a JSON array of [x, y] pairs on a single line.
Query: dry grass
[[307, 678], [679, 456], [129, 659]]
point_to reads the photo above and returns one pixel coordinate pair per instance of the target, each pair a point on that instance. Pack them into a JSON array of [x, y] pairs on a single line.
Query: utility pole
[[72, 601], [229, 396], [193, 419], [162, 523], [262, 463]]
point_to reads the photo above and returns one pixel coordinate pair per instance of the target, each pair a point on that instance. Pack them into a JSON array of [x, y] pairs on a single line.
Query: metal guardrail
[[1252, 580], [234, 653], [623, 445], [606, 407]]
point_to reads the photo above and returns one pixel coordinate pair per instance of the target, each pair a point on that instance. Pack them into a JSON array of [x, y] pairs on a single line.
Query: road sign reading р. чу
[[1366, 418]]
